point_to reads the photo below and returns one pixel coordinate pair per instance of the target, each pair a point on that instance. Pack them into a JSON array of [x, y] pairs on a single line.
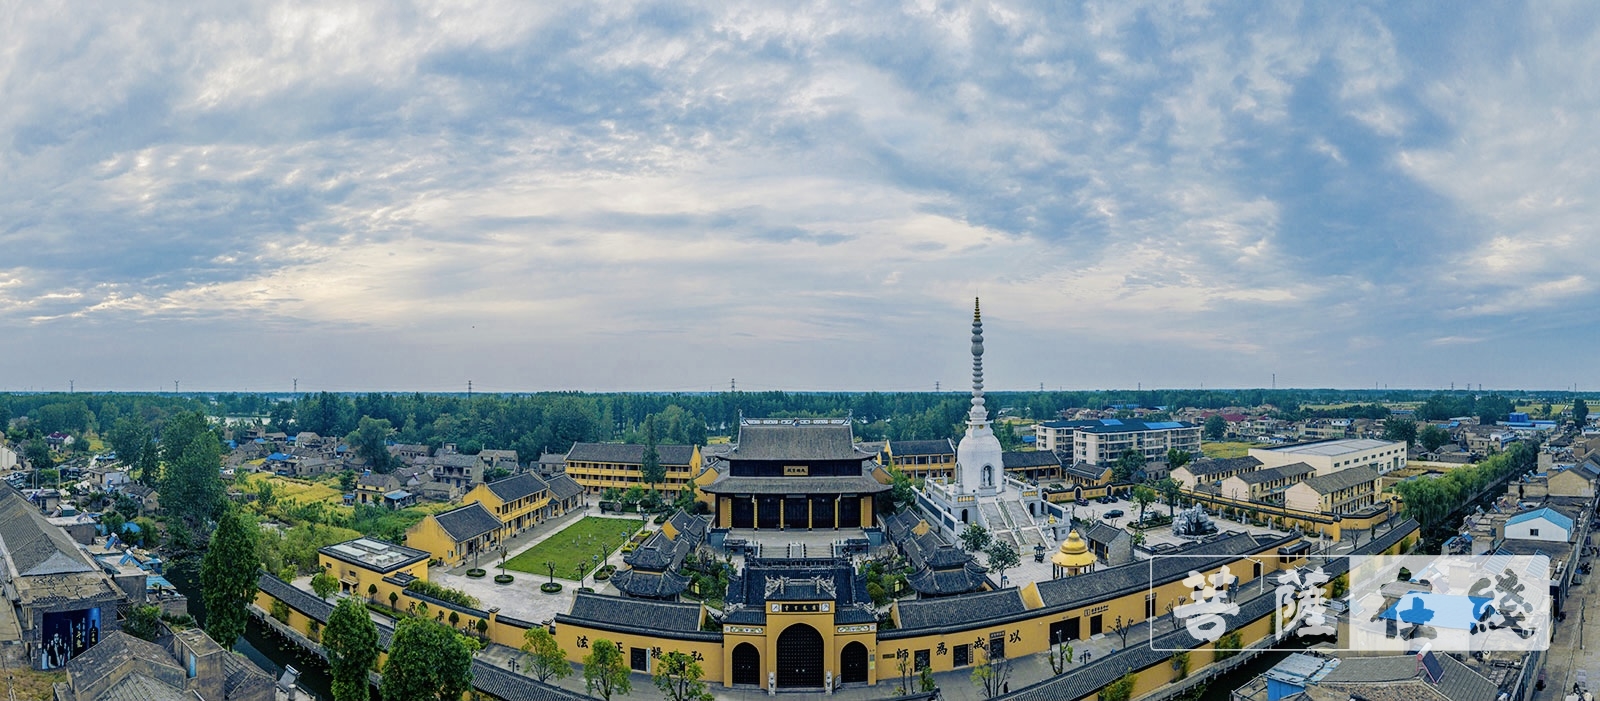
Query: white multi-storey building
[[1328, 457]]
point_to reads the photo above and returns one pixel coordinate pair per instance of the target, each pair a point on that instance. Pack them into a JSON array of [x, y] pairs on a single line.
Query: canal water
[[259, 643]]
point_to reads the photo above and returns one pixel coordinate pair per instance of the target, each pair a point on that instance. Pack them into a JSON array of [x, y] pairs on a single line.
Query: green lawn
[[575, 545], [1232, 449]]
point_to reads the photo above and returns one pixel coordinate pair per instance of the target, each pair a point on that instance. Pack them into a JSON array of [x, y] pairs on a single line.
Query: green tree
[[1178, 458], [1119, 690], [1170, 489], [427, 662], [546, 659], [1433, 437], [129, 439], [975, 538], [605, 671], [678, 676], [1493, 408], [37, 452], [1580, 411], [1127, 466], [228, 574], [369, 440], [1216, 428], [1002, 556], [191, 487], [651, 469], [1228, 645], [1398, 429], [324, 584], [992, 675], [1143, 495], [347, 481], [144, 622], [351, 642], [113, 521]]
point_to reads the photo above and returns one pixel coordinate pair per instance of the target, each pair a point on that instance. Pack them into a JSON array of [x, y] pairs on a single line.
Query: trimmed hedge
[[476, 573], [550, 587], [504, 579]]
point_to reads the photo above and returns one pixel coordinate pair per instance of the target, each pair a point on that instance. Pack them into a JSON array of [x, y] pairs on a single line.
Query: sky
[[681, 196]]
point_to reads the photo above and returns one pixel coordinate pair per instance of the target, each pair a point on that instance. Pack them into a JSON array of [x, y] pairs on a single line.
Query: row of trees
[[1429, 501]]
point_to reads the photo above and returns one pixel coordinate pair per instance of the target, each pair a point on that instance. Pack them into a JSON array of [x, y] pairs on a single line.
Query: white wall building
[[1328, 457]]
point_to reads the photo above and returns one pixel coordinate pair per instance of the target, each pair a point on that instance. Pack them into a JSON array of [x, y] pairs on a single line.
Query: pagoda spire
[[978, 415]]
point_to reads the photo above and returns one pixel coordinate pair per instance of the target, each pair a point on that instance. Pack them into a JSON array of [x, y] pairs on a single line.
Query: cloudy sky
[[670, 195]]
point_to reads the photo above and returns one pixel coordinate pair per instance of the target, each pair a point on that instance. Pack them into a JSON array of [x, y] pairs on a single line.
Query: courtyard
[[576, 549]]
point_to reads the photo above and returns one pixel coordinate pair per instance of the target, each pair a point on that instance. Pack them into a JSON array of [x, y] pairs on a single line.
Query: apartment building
[[1103, 441]]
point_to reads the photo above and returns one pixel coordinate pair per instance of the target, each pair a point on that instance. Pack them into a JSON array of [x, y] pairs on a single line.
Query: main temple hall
[[795, 474]]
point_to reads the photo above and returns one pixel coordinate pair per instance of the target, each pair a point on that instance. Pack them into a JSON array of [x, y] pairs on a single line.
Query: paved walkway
[[1569, 650], [522, 598]]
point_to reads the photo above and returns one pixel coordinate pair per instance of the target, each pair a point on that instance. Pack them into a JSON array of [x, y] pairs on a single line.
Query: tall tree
[[369, 440], [1432, 437], [651, 469], [546, 659], [1143, 495], [1170, 489], [1002, 556], [228, 575], [1178, 458], [129, 438], [191, 486], [1398, 429], [1580, 411], [975, 538], [1216, 427], [37, 452], [605, 671], [679, 677], [427, 662], [1127, 466], [351, 641]]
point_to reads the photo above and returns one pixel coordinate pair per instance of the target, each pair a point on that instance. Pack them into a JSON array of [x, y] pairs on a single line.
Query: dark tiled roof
[[859, 484], [630, 614], [113, 651], [1087, 471], [938, 447], [651, 585], [1104, 533], [517, 487], [1204, 468], [796, 442], [1277, 473], [467, 522], [307, 603], [33, 545], [629, 453], [242, 674], [747, 590], [1388, 539], [1029, 458], [1459, 683], [957, 611], [508, 686], [693, 526], [563, 487], [1343, 479], [138, 687], [948, 582]]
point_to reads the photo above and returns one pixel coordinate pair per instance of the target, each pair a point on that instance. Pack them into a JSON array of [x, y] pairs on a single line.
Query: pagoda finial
[[978, 413]]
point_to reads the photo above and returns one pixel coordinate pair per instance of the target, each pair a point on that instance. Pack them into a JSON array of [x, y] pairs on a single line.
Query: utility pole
[[936, 386], [469, 390], [174, 386], [72, 386], [733, 384], [1274, 380], [296, 385]]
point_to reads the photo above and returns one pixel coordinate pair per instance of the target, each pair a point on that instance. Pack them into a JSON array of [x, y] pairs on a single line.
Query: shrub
[[550, 587], [476, 573], [503, 579]]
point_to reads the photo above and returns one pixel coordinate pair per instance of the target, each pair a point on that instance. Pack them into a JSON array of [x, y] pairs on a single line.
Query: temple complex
[[795, 474]]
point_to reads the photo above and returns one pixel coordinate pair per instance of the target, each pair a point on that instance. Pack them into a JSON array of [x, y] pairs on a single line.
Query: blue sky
[[664, 196]]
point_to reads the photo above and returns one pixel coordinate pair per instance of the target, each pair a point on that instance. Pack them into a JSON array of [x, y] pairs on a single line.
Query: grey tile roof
[[651, 585], [1029, 458], [629, 453], [467, 522], [138, 687], [307, 603], [1204, 468], [1104, 533], [563, 487], [1388, 539], [860, 484], [1459, 683], [956, 611], [949, 582], [747, 589], [1343, 479], [242, 676], [112, 652], [796, 442], [33, 545], [517, 487], [1277, 473], [1087, 471], [935, 447], [508, 686], [625, 614]]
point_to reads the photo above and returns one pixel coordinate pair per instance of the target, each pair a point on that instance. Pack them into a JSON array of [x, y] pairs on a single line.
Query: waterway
[[259, 643]]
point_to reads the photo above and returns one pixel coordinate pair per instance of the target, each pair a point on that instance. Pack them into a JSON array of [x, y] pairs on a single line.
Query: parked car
[[1114, 513]]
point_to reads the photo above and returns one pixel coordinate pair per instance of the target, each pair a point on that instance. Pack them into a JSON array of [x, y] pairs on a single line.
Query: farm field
[[575, 545]]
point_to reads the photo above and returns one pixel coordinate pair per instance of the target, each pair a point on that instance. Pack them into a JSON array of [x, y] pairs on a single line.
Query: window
[[997, 646], [1533, 531], [961, 655], [639, 659], [920, 661]]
